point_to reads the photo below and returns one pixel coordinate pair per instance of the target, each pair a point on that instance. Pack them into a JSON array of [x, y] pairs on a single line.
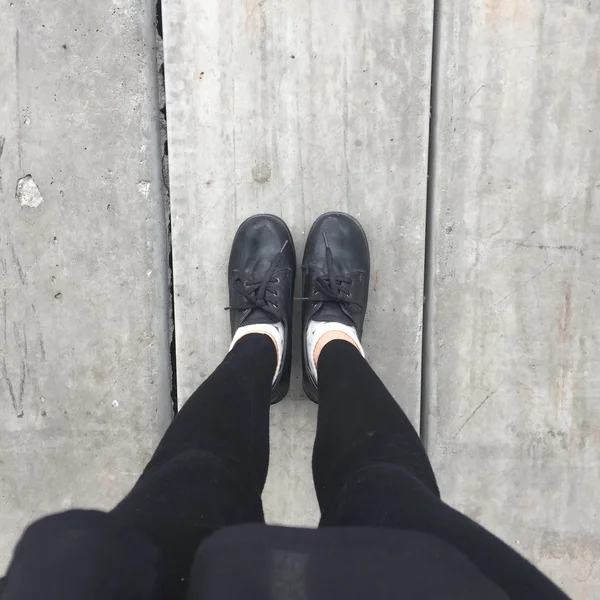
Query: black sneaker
[[262, 268], [335, 280]]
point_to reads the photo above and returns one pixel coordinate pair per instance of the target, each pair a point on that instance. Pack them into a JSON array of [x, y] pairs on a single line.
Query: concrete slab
[[297, 109], [513, 421], [84, 367]]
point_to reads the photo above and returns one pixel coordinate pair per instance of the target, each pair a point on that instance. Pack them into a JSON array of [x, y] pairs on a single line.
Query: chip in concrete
[[28, 193]]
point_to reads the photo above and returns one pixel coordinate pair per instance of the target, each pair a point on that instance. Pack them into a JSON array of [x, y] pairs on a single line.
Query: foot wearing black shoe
[[335, 283], [262, 267]]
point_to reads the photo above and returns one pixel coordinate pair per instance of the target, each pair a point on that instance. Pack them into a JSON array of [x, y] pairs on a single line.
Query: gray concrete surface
[[84, 368], [297, 109], [514, 365]]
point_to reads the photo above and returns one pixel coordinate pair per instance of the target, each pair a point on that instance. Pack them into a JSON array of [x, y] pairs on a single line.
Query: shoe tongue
[[259, 267], [332, 312]]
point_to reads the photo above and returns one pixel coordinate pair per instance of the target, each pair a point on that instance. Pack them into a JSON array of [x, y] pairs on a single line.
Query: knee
[[68, 555], [63, 529], [226, 491], [379, 495]]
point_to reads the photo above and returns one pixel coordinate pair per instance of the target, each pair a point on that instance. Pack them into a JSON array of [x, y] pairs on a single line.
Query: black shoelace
[[259, 293], [333, 287]]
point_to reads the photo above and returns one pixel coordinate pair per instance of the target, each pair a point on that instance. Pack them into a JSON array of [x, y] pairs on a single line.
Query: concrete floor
[[84, 336], [514, 361], [278, 111], [299, 109]]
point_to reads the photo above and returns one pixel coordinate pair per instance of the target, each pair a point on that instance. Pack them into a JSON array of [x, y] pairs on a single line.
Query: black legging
[[209, 470]]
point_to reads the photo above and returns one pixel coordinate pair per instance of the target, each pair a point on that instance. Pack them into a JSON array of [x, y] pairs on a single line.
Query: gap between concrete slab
[[163, 145], [427, 357]]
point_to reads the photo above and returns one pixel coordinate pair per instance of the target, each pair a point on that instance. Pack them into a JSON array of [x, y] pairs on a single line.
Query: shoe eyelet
[[276, 293], [277, 280], [275, 305]]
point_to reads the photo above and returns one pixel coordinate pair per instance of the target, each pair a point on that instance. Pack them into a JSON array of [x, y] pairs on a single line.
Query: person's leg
[[211, 465], [370, 469], [360, 425]]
